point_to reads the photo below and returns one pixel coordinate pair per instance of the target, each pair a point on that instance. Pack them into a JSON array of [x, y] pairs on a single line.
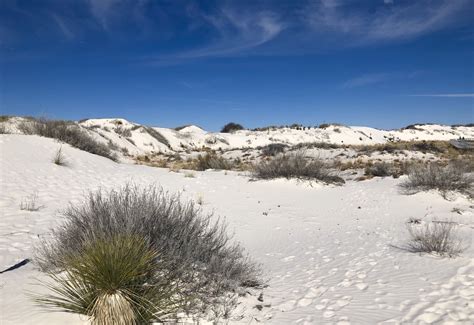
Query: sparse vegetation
[[199, 258], [433, 176], [231, 127], [295, 165], [438, 237], [68, 132], [158, 136], [124, 132]]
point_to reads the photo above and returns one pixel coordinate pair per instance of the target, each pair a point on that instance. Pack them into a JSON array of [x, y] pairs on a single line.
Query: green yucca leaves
[[113, 281]]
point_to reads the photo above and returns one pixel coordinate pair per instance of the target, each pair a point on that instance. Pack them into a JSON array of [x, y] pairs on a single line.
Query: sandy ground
[[328, 253]]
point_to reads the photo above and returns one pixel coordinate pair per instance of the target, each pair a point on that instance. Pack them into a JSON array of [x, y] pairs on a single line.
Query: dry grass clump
[[196, 255], [115, 280], [30, 203], [68, 132], [295, 165], [433, 176], [435, 237]]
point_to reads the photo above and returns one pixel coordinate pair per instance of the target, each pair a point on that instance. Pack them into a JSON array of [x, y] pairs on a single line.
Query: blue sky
[[380, 63]]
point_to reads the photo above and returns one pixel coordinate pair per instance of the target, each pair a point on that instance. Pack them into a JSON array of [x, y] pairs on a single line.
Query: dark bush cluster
[[295, 165], [144, 247], [68, 132], [273, 149], [231, 127]]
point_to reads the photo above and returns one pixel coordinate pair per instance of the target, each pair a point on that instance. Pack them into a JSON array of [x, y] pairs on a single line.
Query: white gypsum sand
[[327, 252]]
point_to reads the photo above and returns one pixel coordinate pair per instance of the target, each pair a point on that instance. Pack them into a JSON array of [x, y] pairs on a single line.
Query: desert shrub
[[273, 149], [116, 280], [4, 118], [379, 169], [295, 165], [201, 260], [435, 237], [59, 158], [158, 136], [3, 129], [231, 127], [212, 161], [120, 130], [432, 176], [67, 132]]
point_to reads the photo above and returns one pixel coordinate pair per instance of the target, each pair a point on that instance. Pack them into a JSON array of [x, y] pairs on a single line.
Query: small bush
[[67, 132], [273, 149], [231, 127], [435, 237], [433, 176], [379, 169], [118, 280], [212, 161], [200, 259], [295, 165]]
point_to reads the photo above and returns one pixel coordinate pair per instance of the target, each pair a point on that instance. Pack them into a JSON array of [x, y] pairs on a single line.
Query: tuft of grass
[[30, 203], [117, 280], [59, 158], [295, 165], [435, 237]]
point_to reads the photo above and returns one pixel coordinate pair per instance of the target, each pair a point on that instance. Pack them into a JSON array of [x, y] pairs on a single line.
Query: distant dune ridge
[[139, 139]]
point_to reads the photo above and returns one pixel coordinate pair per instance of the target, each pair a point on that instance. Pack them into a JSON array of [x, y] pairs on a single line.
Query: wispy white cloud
[[367, 79], [456, 95], [237, 32], [103, 10], [63, 27], [385, 23]]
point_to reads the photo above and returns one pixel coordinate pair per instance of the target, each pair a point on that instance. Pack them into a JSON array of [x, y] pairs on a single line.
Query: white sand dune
[[327, 252], [143, 140]]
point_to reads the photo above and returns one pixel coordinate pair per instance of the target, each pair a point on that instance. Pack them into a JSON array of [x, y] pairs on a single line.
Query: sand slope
[[326, 251]]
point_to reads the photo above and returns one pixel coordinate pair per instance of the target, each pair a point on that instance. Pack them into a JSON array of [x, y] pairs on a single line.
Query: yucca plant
[[117, 280]]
